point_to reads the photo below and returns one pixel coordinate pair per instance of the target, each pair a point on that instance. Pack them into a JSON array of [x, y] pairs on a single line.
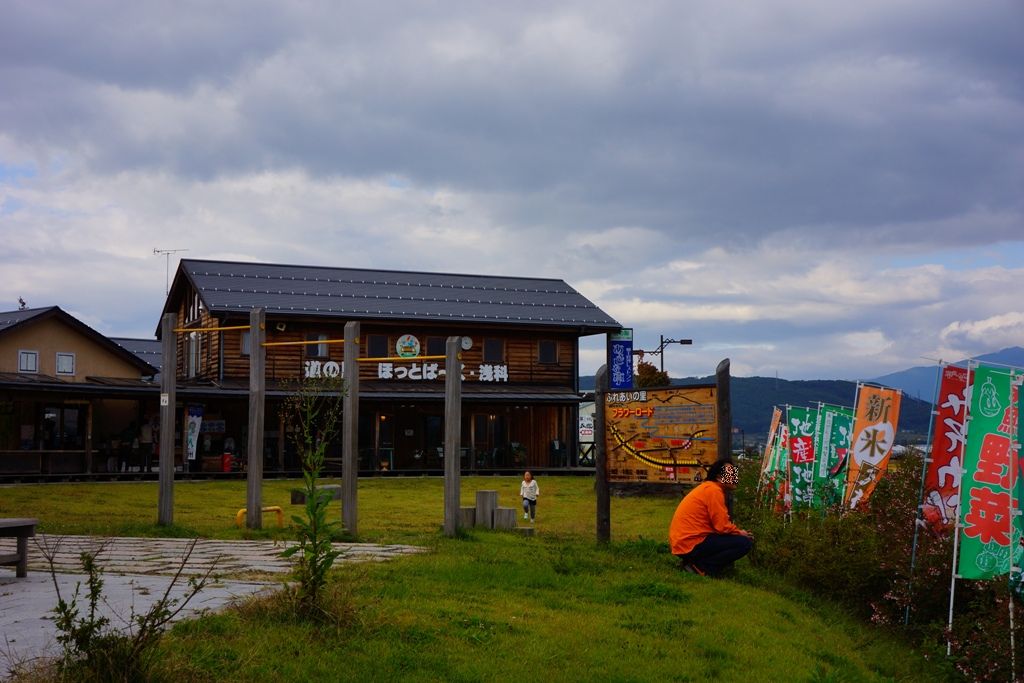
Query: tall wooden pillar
[[350, 432], [604, 508], [168, 384], [722, 396], [257, 398], [452, 435]]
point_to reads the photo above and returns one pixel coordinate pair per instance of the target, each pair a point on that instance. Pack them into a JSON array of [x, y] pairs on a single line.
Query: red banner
[[942, 478]]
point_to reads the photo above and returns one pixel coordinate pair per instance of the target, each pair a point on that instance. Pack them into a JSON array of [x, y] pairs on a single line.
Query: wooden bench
[[20, 529]]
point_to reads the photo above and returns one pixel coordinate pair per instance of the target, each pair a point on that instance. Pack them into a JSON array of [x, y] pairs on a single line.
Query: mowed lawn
[[490, 605]]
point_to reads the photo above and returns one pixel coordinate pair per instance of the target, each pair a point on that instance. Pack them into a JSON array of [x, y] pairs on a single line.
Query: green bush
[[861, 559]]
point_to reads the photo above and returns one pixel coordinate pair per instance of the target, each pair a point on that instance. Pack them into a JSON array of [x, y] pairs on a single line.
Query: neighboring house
[[520, 358], [66, 392]]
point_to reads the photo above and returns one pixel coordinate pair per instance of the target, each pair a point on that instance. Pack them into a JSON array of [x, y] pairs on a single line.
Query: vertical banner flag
[[620, 360], [783, 497], [769, 449], [194, 423], [942, 478], [876, 418], [989, 527], [832, 447], [801, 454]]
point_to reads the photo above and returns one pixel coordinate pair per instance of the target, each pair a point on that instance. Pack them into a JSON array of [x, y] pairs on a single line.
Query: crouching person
[[702, 534]]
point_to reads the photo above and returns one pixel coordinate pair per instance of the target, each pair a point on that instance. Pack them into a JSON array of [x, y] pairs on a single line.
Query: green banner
[[988, 526], [801, 423], [832, 433]]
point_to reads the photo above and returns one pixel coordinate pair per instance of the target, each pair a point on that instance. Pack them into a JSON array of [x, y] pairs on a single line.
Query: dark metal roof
[[12, 319], [149, 350], [9, 319], [352, 293], [96, 386]]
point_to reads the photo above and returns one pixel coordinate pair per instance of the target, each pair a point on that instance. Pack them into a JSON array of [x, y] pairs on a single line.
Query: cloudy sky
[[814, 189]]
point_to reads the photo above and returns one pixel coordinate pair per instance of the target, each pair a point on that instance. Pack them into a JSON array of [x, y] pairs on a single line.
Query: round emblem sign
[[407, 346]]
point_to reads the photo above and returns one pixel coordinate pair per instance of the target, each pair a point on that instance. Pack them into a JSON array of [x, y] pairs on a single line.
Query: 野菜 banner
[[661, 435]]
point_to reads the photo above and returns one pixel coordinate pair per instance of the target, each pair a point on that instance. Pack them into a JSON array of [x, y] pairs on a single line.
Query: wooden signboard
[[661, 436]]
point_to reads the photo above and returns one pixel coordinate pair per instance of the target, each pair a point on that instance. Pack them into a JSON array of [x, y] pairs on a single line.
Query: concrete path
[[136, 572]]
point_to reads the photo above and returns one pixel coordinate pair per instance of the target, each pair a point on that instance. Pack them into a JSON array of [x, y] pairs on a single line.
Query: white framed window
[[194, 351], [316, 350], [28, 361], [65, 363], [246, 342]]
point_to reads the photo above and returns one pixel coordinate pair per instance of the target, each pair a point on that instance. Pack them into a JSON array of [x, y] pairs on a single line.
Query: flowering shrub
[[862, 560]]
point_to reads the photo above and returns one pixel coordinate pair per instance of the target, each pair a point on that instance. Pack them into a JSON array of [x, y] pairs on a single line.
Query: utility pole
[[167, 266]]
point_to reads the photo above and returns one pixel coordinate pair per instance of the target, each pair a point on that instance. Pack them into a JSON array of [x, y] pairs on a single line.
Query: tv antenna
[[167, 268]]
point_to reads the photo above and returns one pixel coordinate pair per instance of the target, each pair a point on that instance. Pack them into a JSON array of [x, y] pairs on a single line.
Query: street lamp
[[661, 348]]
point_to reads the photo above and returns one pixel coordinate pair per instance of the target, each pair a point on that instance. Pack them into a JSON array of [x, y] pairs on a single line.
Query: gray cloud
[[600, 142]]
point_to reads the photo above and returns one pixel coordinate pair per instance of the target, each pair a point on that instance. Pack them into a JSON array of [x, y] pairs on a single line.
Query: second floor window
[[65, 363], [377, 346], [28, 361], [547, 352], [316, 350], [494, 350], [246, 343]]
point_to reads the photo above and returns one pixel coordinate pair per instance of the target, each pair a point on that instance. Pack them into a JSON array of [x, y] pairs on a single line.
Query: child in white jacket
[[529, 491]]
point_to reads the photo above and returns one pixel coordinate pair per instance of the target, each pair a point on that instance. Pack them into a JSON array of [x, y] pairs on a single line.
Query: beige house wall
[[49, 337]]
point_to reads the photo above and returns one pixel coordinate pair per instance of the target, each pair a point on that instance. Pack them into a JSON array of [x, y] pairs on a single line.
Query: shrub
[[861, 559]]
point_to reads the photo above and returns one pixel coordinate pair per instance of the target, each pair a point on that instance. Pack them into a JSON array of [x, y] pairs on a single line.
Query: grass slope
[[494, 606]]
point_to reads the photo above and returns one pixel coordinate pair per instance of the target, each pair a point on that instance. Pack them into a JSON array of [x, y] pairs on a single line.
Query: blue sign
[[620, 359]]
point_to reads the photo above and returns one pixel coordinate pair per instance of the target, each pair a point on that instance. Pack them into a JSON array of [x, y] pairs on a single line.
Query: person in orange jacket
[[702, 534]]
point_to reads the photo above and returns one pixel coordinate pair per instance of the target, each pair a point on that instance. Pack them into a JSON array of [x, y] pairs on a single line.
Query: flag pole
[[787, 511], [956, 529], [1014, 512], [925, 460], [848, 491]]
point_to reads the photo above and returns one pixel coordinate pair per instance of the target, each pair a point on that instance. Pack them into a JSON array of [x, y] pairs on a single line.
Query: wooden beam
[[724, 410], [168, 384], [257, 400], [452, 435], [604, 509], [350, 432]]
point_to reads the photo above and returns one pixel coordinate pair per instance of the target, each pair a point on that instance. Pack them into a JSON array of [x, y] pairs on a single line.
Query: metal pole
[[956, 528], [925, 459], [168, 380], [350, 432], [452, 435], [257, 395], [604, 512]]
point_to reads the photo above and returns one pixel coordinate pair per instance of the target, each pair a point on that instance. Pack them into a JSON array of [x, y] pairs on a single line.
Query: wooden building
[[71, 399], [520, 358]]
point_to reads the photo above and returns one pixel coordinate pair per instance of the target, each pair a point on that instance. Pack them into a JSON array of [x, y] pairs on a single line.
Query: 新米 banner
[[876, 418]]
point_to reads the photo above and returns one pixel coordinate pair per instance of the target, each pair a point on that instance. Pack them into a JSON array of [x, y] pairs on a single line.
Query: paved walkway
[[136, 572]]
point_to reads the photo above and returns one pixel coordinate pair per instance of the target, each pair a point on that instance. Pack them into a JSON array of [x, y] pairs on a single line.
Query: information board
[[661, 435]]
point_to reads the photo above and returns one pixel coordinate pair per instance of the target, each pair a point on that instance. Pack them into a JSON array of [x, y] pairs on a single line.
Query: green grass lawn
[[491, 605]]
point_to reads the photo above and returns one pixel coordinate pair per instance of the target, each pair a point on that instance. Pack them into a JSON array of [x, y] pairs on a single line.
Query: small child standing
[[529, 491]]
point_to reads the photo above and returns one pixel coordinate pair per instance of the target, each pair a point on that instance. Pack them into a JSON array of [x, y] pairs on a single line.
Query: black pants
[[717, 552]]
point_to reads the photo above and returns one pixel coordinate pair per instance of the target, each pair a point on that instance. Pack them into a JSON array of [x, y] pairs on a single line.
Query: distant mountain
[[919, 381], [754, 397]]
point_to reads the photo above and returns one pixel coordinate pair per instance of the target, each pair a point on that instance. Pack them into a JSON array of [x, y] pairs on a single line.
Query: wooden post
[[604, 508], [168, 383], [486, 504], [452, 434], [350, 431], [257, 396], [724, 410], [89, 413]]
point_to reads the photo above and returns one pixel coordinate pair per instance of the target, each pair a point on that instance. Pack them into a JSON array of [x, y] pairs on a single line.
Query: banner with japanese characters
[[800, 422], [832, 433], [989, 525], [942, 477], [661, 435], [875, 420], [769, 448]]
